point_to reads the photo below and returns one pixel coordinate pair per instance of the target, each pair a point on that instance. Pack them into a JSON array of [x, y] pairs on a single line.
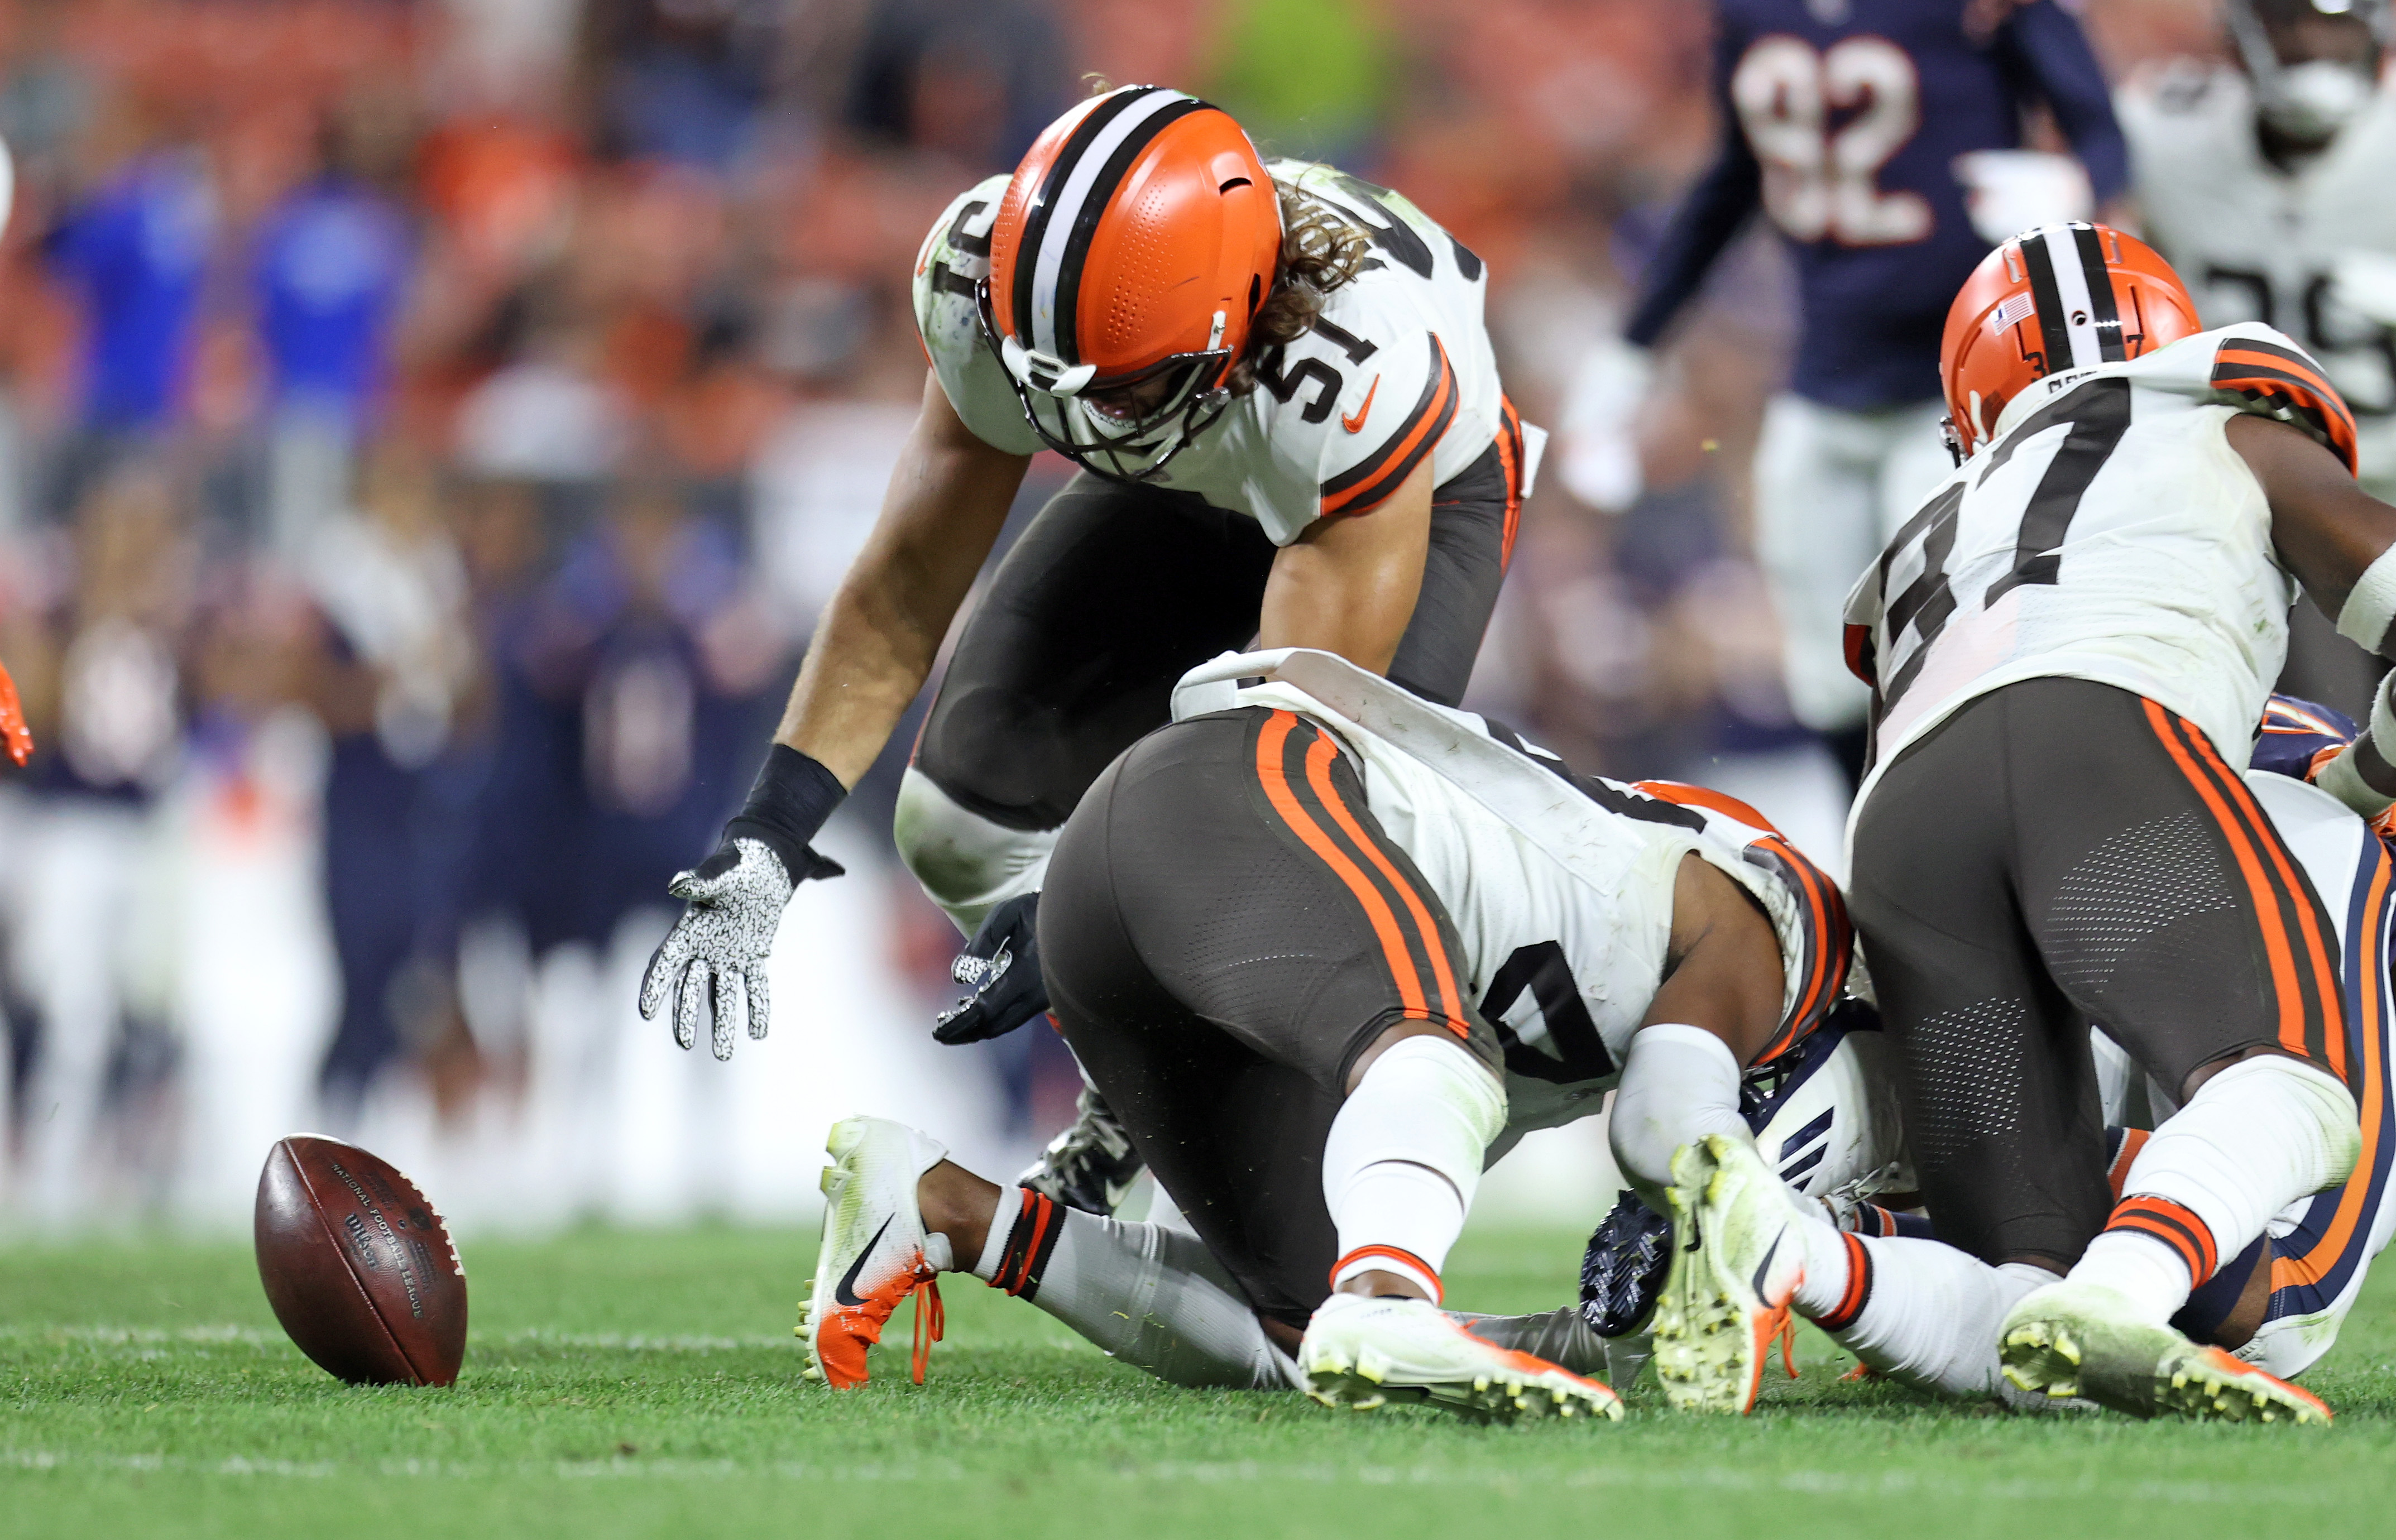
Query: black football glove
[[1000, 965], [732, 903]]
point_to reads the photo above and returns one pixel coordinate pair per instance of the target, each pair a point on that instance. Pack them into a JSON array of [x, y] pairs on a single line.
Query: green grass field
[[649, 1385]]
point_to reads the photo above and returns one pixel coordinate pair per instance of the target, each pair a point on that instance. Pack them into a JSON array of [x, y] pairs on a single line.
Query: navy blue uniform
[[1846, 133]]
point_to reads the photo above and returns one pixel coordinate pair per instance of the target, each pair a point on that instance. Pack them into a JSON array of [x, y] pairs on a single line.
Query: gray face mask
[[2311, 101]]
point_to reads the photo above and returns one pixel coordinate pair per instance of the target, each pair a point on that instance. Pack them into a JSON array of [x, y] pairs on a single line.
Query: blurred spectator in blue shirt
[[331, 267], [136, 250]]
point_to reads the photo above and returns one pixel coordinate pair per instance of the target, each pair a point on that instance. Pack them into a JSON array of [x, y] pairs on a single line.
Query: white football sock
[[1829, 1261], [1678, 1085], [1926, 1315], [2255, 1138], [1002, 1225], [1404, 1158], [1157, 1299]]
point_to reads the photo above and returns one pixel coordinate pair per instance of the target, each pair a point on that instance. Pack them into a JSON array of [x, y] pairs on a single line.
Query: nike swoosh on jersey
[[1356, 424], [845, 1291]]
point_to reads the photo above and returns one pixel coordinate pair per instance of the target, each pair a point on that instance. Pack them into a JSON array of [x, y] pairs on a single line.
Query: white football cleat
[[1735, 1262], [2069, 1339], [872, 1255], [1361, 1352]]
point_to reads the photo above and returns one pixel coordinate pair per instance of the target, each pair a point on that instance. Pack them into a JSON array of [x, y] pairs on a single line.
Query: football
[[358, 1264]]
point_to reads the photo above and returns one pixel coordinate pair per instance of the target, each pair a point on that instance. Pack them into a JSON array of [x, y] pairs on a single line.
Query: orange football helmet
[[2060, 297], [1131, 251]]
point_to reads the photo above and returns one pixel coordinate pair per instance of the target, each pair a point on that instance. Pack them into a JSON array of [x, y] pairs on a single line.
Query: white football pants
[[1830, 488]]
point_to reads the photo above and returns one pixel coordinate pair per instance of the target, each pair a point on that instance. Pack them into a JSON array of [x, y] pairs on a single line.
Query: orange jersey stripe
[[2317, 1261], [1707, 798], [2318, 949], [1270, 742], [1434, 417], [1319, 755], [1510, 459], [2276, 945], [2275, 364]]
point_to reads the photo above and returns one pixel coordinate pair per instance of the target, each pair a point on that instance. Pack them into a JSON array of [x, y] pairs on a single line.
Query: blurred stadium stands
[[427, 434]]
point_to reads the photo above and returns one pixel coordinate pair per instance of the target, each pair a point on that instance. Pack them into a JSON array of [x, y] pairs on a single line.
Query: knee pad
[[968, 864]]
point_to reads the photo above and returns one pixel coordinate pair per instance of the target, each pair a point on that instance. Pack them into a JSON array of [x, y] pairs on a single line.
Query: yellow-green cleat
[[2084, 1340]]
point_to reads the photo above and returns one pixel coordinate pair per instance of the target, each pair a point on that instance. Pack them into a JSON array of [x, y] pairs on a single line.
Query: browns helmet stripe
[[1037, 208], [1072, 195], [2076, 313], [2055, 337], [2103, 314], [1066, 317]]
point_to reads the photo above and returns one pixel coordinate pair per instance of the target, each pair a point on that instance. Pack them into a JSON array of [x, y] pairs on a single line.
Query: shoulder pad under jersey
[[955, 257], [2256, 369]]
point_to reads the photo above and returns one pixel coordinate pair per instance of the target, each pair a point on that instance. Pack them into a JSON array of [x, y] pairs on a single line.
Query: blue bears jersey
[[1842, 120], [2296, 734]]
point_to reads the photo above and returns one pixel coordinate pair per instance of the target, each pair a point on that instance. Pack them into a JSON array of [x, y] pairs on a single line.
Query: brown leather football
[[358, 1266]]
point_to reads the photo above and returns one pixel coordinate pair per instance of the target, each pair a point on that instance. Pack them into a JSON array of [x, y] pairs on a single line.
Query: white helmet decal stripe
[[1057, 231]]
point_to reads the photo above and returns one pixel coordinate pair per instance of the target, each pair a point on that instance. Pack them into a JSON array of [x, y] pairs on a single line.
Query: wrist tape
[[2342, 777], [787, 803], [2371, 604]]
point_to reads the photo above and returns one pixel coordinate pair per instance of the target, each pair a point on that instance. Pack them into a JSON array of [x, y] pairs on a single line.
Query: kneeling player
[[1327, 947], [2069, 645], [1928, 1314]]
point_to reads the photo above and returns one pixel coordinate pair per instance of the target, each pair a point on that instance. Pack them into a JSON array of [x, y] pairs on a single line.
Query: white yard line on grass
[[1819, 1483]]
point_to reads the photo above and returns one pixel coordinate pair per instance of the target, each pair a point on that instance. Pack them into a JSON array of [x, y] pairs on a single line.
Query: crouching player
[[1328, 949], [1928, 1314]]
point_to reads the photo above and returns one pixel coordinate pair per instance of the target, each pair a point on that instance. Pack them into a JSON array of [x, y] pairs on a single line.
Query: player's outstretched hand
[[715, 955], [732, 903], [1001, 966]]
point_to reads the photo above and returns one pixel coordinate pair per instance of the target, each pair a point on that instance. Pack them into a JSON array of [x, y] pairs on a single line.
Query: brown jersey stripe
[[2260, 371], [1365, 485]]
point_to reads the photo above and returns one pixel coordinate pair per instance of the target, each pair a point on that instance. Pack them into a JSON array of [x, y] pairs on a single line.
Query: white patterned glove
[[715, 955]]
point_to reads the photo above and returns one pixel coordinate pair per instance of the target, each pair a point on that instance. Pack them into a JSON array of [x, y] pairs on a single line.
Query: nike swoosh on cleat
[[1765, 1266], [845, 1291], [1356, 424]]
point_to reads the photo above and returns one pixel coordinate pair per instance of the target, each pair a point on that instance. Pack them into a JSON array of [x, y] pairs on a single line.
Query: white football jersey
[[1560, 885], [2255, 243], [1317, 437], [2107, 531]]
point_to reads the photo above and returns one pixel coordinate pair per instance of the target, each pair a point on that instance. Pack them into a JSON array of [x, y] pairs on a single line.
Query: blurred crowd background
[[428, 431]]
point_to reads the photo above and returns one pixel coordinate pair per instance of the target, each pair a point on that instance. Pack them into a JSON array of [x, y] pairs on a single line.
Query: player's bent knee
[[1679, 1083], [967, 864]]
